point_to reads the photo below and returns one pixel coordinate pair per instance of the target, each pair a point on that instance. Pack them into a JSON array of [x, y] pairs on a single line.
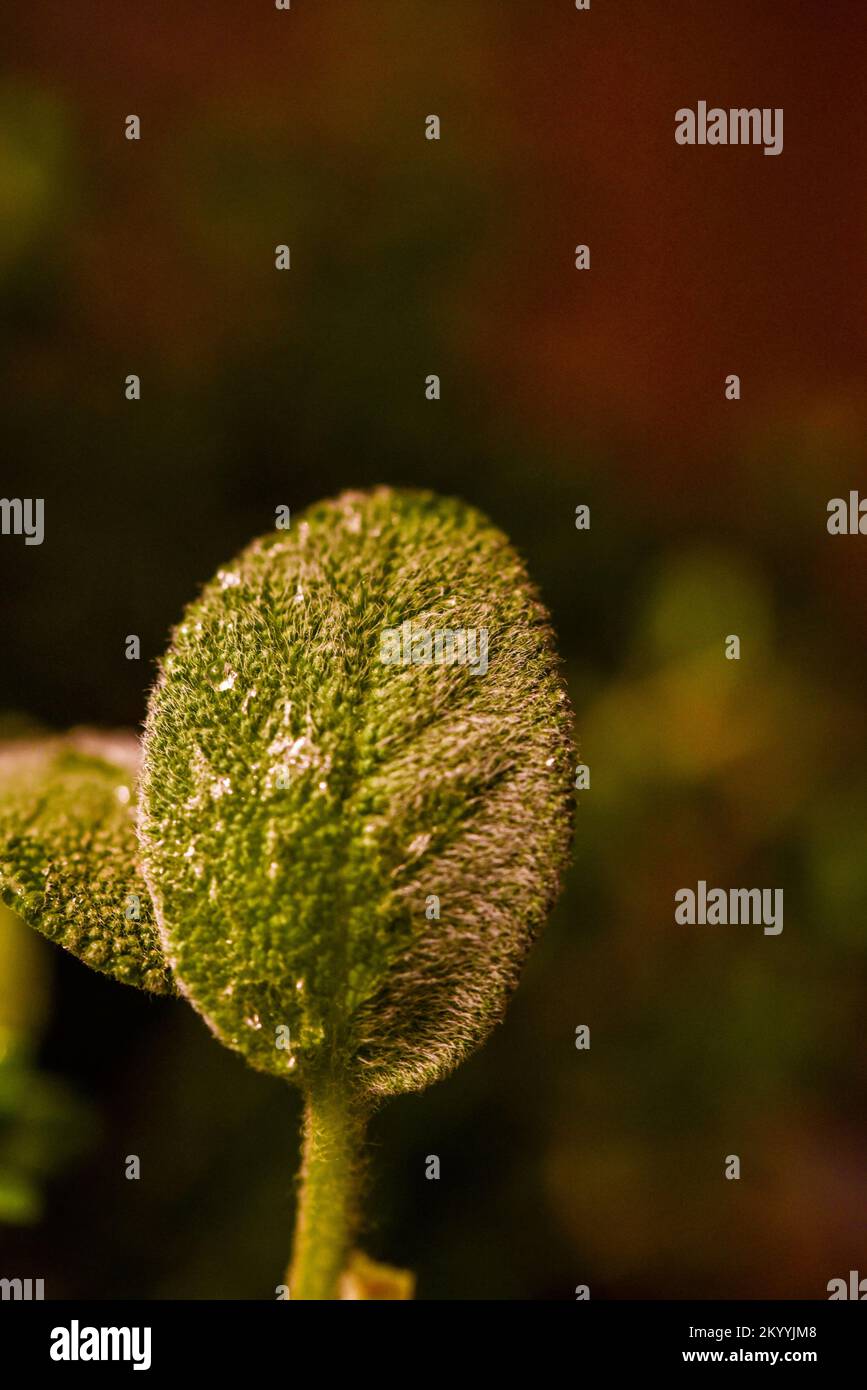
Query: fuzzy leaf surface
[[69, 853], [302, 800]]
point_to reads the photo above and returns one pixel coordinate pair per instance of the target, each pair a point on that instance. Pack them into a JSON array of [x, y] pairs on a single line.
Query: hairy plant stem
[[329, 1199]]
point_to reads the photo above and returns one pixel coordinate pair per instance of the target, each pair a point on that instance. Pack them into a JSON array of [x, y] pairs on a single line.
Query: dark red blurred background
[[559, 387]]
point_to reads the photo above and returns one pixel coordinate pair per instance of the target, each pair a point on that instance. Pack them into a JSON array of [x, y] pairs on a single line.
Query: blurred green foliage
[[43, 1125]]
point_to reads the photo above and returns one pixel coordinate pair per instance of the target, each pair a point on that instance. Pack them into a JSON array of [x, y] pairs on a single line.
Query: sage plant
[[346, 832]]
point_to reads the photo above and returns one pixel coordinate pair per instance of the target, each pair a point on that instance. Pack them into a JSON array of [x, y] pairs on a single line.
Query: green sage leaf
[[68, 852], [349, 856]]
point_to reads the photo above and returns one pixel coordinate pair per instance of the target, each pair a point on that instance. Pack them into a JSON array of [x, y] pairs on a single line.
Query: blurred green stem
[[328, 1203]]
